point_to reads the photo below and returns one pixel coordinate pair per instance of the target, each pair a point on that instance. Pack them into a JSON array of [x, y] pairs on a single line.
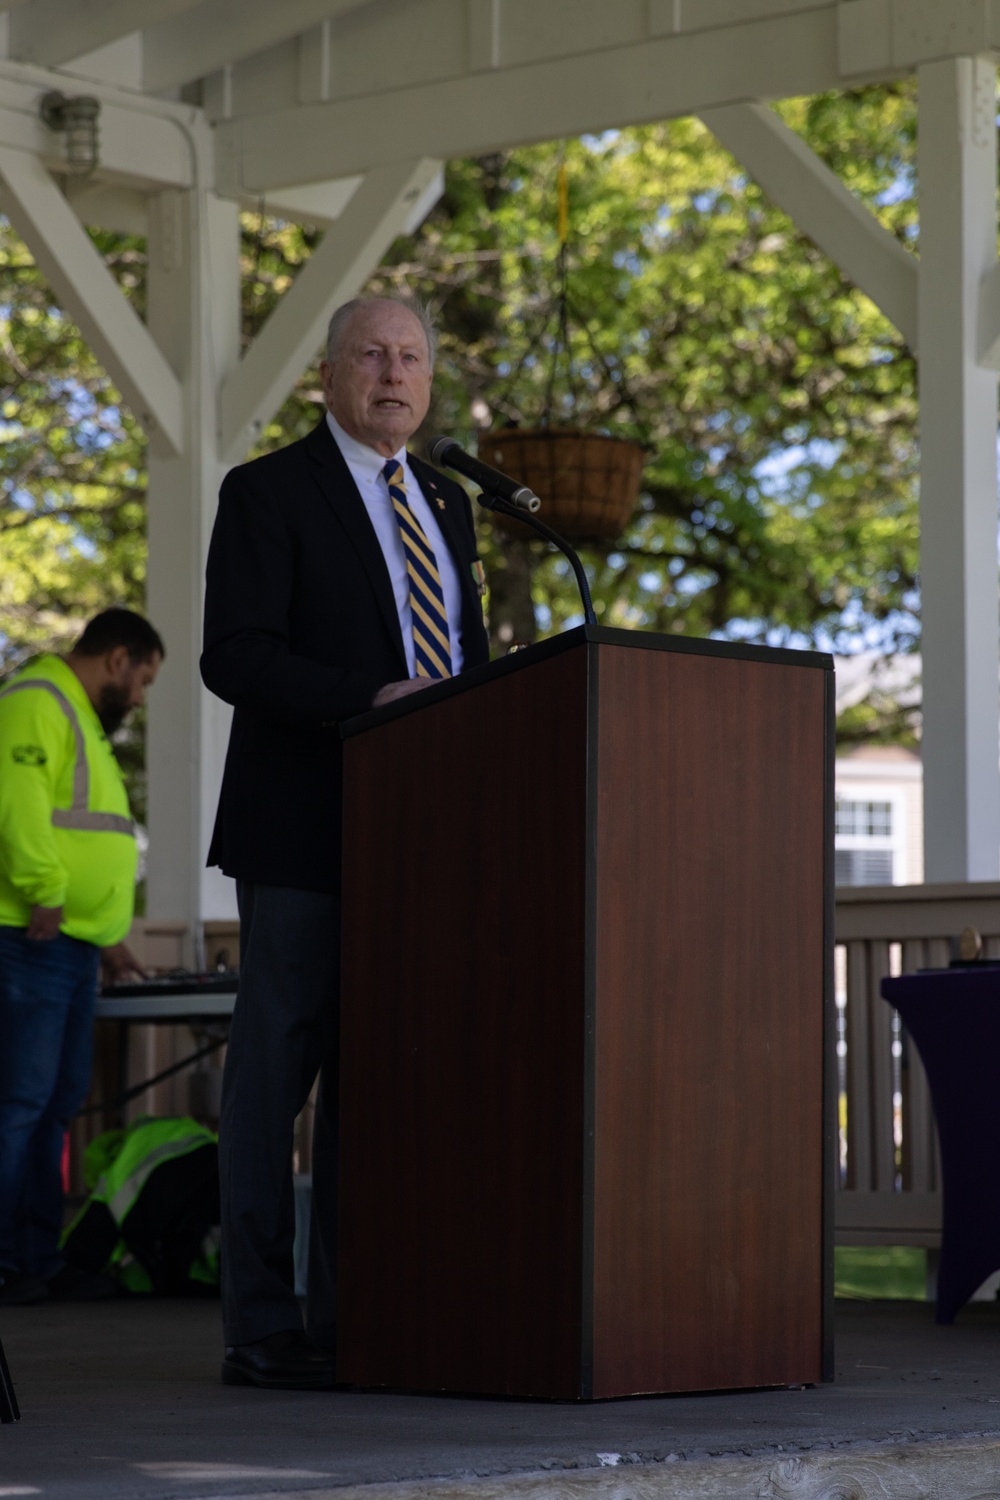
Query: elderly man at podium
[[342, 574]]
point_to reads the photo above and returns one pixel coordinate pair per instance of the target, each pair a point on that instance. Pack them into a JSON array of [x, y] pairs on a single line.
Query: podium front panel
[[462, 1041], [586, 956], [708, 1111]]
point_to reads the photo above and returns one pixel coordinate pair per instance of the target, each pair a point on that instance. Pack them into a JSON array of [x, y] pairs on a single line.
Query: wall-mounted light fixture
[[75, 117]]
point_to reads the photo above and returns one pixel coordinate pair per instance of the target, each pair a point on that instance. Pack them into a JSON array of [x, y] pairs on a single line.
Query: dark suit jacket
[[301, 631]]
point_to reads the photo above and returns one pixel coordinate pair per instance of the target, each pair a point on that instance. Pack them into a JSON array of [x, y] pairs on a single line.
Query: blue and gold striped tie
[[431, 638]]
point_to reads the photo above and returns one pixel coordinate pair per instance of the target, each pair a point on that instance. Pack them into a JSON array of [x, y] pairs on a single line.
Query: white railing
[[890, 1181]]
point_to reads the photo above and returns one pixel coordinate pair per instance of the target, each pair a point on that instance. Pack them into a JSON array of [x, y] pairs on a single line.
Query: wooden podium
[[587, 1124]]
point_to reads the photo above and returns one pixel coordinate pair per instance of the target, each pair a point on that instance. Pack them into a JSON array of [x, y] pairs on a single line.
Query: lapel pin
[[440, 503]]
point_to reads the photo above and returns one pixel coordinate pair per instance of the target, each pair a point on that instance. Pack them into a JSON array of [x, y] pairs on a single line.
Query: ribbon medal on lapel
[[479, 574]]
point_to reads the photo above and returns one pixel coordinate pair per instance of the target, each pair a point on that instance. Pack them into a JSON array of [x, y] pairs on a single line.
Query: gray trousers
[[285, 1030]]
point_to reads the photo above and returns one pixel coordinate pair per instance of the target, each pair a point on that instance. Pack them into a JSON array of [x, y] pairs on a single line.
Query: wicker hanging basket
[[588, 483]]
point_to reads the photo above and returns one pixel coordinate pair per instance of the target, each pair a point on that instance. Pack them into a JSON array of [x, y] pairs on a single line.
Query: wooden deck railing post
[[880, 1204]]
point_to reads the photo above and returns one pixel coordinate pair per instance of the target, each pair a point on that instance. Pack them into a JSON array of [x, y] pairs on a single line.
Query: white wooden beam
[[483, 21], [88, 292], [822, 207], [879, 37], [125, 210], [865, 37], [628, 84], [316, 203], [217, 32], [349, 252], [50, 32]]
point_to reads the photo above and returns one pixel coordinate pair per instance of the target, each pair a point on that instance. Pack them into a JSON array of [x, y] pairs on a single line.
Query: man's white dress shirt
[[366, 470]]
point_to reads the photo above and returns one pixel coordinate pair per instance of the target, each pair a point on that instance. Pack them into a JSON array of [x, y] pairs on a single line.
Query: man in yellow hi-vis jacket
[[67, 887]]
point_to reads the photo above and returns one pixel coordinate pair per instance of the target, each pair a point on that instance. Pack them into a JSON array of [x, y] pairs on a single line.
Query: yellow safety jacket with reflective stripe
[[66, 832]]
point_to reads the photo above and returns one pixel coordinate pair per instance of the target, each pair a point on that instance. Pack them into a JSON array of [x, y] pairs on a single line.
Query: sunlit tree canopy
[[776, 404]]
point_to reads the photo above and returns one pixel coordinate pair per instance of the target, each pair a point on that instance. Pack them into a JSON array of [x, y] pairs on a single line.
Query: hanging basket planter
[[588, 482]]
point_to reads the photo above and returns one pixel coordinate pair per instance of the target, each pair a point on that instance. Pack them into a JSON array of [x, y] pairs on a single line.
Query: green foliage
[[72, 465], [73, 461], [880, 719], [879, 1272], [273, 253], [777, 405]]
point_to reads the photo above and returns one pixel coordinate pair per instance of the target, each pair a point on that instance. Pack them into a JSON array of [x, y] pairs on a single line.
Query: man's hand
[[120, 963], [43, 924], [394, 690]]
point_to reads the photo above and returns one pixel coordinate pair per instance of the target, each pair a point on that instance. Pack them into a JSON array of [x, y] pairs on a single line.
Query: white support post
[[957, 170], [194, 312]]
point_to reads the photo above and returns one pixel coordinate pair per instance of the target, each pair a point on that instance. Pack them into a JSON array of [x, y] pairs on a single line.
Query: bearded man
[[67, 892], [342, 575]]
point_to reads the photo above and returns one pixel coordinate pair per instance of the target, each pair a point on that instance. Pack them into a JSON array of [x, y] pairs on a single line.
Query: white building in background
[[879, 788], [879, 817]]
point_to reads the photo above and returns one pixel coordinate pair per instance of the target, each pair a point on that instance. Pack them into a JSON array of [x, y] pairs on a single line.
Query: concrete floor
[[122, 1401]]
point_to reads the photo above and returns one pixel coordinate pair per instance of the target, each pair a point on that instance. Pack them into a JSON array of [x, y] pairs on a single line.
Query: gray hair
[[341, 318]]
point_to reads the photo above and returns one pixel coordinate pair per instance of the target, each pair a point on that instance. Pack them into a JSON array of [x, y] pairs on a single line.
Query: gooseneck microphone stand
[[8, 1401], [504, 508]]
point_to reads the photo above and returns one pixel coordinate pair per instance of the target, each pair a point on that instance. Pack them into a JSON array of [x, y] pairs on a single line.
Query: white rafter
[[124, 210], [218, 32], [654, 79], [86, 289], [50, 32], [821, 206], [381, 208], [319, 203]]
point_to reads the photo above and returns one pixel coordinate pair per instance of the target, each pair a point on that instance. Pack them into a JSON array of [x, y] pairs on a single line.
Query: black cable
[[110, 1105]]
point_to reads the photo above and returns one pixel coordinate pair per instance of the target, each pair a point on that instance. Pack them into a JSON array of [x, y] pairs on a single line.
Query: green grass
[[864, 1271]]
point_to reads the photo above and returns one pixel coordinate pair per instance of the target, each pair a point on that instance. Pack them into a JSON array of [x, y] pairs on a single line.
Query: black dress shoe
[[284, 1361]]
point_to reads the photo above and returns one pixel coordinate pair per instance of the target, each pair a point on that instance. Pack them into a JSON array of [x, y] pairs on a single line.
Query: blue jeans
[[47, 995]]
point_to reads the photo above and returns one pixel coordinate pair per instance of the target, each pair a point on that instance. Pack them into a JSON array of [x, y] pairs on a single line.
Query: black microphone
[[509, 498], [446, 453]]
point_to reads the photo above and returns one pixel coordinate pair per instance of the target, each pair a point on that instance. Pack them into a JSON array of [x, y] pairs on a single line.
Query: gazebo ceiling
[[293, 93]]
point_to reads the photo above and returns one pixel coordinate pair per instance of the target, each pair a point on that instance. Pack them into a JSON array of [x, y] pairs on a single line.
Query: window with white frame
[[868, 839]]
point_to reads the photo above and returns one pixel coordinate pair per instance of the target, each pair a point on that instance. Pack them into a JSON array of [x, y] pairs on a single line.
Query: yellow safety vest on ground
[[66, 832], [155, 1230]]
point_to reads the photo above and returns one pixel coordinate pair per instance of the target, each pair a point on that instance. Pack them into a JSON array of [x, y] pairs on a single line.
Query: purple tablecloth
[[953, 1017]]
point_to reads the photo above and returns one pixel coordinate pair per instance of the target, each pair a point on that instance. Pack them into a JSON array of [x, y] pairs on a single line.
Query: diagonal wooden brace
[[821, 206], [353, 246], [88, 292]]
